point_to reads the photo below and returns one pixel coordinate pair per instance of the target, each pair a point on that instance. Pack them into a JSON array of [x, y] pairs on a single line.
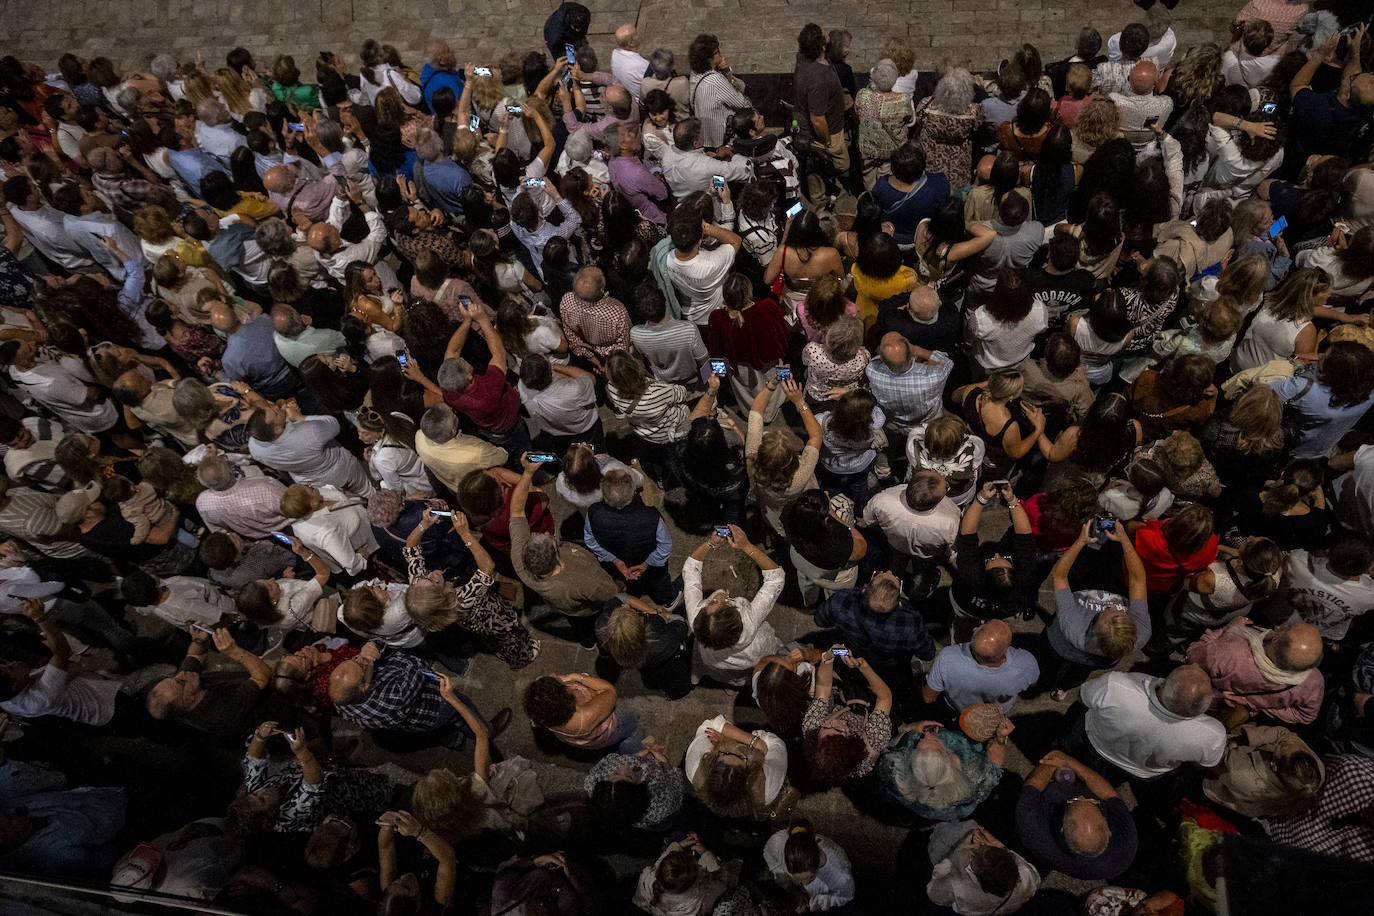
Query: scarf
[[1266, 666]]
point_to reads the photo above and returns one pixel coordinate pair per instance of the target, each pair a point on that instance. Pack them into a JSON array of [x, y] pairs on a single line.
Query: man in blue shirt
[[251, 354], [441, 180], [440, 71]]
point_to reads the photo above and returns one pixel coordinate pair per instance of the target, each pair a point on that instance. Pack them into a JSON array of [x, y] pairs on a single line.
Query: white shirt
[[1320, 597], [566, 408], [191, 600], [388, 75], [60, 386], [219, 140], [341, 534], [996, 344], [833, 885], [296, 602], [733, 664], [693, 170], [774, 759], [927, 535], [87, 700], [44, 230], [700, 280], [629, 67], [1129, 727], [396, 629], [1242, 68], [69, 139], [1160, 51], [1355, 492], [366, 251], [399, 468]]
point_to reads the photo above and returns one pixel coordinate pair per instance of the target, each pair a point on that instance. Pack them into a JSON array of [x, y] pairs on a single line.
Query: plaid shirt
[[402, 698], [599, 328], [251, 508], [899, 632], [1349, 789], [913, 397]]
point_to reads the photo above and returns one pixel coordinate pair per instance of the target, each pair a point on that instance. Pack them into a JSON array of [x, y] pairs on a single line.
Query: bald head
[[279, 179], [589, 284], [324, 238], [1187, 691], [1143, 77], [1296, 646], [104, 159], [223, 317], [618, 97], [286, 321], [1362, 90], [345, 685], [896, 352], [627, 37], [1085, 829], [924, 303], [990, 643]]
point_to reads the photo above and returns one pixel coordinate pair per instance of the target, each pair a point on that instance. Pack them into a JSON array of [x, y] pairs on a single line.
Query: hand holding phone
[[717, 181], [719, 367], [723, 531], [541, 457], [794, 209], [1278, 226], [481, 71], [441, 513], [474, 124], [782, 373], [840, 653], [571, 53], [285, 539]]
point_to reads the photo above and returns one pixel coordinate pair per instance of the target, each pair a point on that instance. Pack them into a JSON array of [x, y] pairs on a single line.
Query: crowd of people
[[1043, 393]]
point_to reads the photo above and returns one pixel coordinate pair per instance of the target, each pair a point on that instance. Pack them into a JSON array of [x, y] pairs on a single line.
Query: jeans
[[516, 441], [94, 624]]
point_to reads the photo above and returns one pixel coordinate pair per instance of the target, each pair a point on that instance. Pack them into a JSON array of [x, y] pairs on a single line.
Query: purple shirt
[[573, 125], [631, 177]]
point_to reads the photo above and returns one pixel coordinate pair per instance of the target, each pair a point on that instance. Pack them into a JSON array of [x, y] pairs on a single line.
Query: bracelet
[[806, 407], [752, 739], [982, 501]]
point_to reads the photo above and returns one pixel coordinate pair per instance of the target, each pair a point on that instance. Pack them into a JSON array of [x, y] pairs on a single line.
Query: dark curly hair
[[549, 703], [833, 758]]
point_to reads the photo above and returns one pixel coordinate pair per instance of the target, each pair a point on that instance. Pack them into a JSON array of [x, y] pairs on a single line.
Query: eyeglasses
[[931, 729]]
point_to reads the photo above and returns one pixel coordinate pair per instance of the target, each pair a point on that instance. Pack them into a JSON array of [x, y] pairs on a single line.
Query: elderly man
[[393, 693], [1149, 726], [1323, 121], [223, 708], [986, 669], [733, 634], [214, 129], [450, 454], [629, 175], [620, 108], [306, 449], [247, 506], [443, 179], [627, 64], [918, 519], [688, 166], [295, 339], [596, 324], [880, 624], [149, 402], [486, 398], [1077, 825], [440, 71], [1140, 107], [44, 227], [63, 385], [696, 273], [292, 191], [566, 576], [1263, 672], [333, 253], [631, 538], [250, 353], [908, 381], [920, 317], [89, 223]]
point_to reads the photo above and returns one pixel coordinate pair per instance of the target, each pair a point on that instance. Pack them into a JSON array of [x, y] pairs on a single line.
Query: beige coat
[[1246, 781]]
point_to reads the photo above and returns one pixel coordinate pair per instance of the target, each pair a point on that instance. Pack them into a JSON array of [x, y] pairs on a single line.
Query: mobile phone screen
[[723, 530], [475, 124], [278, 536], [481, 71], [403, 359], [717, 181], [1278, 226], [783, 373], [571, 54], [296, 126], [718, 367], [441, 513], [513, 109], [794, 210], [544, 457], [838, 652]]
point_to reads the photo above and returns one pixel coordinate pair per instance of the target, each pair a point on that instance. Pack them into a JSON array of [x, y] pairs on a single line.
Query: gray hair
[[954, 92], [128, 99], [428, 145], [163, 66], [274, 238], [439, 424], [579, 146], [589, 284], [1187, 691], [661, 62], [931, 777], [617, 488], [883, 75], [541, 555], [610, 139], [330, 133], [210, 110], [216, 473], [454, 374], [844, 338]]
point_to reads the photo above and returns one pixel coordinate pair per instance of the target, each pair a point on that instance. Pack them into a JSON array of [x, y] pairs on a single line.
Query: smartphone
[[1278, 226], [718, 182], [541, 457], [1106, 523], [794, 210], [441, 513], [289, 737], [838, 652], [295, 127], [514, 109], [1002, 484], [567, 78], [430, 674], [1269, 108], [465, 301], [719, 367], [571, 53], [783, 373], [534, 182], [1193, 223], [278, 536], [1151, 122], [474, 124], [402, 358], [481, 71], [723, 530], [196, 626]]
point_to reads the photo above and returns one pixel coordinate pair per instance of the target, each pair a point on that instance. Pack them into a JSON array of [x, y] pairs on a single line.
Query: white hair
[[932, 777]]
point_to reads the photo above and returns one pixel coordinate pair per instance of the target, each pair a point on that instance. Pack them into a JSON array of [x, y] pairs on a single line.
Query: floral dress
[[667, 786], [484, 612], [875, 728], [947, 140], [303, 806], [15, 284]]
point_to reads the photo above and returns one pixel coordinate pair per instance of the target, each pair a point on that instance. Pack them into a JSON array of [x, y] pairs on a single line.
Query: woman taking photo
[[825, 548], [842, 736], [777, 472], [751, 336]]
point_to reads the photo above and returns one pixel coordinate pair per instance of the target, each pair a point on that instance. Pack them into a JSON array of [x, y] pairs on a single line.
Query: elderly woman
[[842, 740], [477, 607], [332, 524], [884, 119], [738, 774], [219, 411], [945, 124], [837, 367], [939, 773]]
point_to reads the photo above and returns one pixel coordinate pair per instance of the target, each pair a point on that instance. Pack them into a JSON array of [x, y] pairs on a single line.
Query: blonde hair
[[362, 610], [1181, 454], [487, 92], [944, 435], [1114, 634], [1197, 76], [444, 802], [432, 607], [1258, 419], [1219, 320], [198, 87], [1243, 279], [898, 50], [298, 501], [623, 637], [236, 92], [1006, 384], [1098, 122], [1079, 81], [931, 777], [1297, 297], [775, 463]]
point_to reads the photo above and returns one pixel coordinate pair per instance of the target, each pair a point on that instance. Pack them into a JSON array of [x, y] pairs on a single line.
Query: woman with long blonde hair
[[1283, 329], [235, 91]]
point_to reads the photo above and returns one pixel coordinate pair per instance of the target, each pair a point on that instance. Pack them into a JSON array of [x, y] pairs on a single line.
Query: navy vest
[[631, 533]]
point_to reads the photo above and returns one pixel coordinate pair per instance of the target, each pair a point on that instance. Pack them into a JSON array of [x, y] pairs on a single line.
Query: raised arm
[[1060, 574], [479, 553], [481, 752], [53, 637], [1135, 569], [974, 513], [256, 667]]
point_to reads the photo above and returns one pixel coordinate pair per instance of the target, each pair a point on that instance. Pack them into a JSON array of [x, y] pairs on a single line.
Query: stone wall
[[758, 35]]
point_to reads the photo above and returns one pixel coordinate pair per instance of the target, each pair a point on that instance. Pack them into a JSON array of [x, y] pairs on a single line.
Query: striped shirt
[[32, 516], [714, 97], [673, 349], [595, 328], [659, 415]]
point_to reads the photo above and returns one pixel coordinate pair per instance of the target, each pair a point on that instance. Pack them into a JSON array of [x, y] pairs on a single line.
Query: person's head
[[852, 418], [1187, 691], [1005, 385], [924, 304], [1357, 257], [1262, 562], [622, 799], [1135, 38], [1084, 828], [625, 372], [1033, 111], [1142, 77], [173, 696], [718, 624], [908, 163], [1298, 770], [1013, 210], [617, 488], [801, 853], [879, 257], [811, 41], [703, 53], [1097, 123], [548, 702], [454, 374], [944, 436], [439, 424], [1187, 379], [1298, 480], [1062, 355], [300, 500], [832, 754], [1078, 81], [685, 230], [1347, 371], [783, 695], [332, 843], [883, 593], [524, 212], [252, 812], [445, 802], [925, 490], [677, 872], [623, 637], [432, 606], [990, 642], [1256, 36], [931, 774], [1011, 80], [1012, 297], [1189, 530], [844, 338], [883, 76], [1294, 646], [1350, 557], [954, 92], [1113, 634], [1219, 320]]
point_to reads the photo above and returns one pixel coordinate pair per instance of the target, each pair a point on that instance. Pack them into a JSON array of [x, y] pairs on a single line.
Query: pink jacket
[[1225, 655]]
